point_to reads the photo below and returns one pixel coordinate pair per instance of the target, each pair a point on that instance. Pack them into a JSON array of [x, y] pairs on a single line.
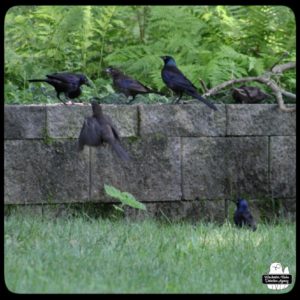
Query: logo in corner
[[277, 279]]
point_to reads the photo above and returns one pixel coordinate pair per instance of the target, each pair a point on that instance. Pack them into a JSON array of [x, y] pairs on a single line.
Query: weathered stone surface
[[66, 121], [203, 210], [247, 166], [283, 166], [62, 210], [203, 167], [195, 211], [24, 122], [36, 172], [172, 160], [153, 174], [219, 167], [27, 209], [182, 120], [288, 209], [259, 119]]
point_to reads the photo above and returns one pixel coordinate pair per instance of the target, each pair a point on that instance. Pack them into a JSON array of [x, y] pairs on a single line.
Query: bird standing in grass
[[67, 83], [242, 215], [127, 85], [178, 83], [98, 129]]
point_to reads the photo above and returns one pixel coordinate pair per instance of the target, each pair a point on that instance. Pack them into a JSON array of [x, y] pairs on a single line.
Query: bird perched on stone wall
[[67, 83], [249, 94], [98, 129], [178, 83], [128, 86], [242, 215]]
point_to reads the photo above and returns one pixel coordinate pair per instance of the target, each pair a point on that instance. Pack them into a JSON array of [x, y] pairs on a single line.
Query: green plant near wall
[[124, 197]]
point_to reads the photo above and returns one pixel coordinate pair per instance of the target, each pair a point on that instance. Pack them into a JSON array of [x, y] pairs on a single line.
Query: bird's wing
[[249, 220], [108, 135], [107, 120], [132, 84], [173, 75], [90, 133], [74, 93], [65, 77], [251, 91]]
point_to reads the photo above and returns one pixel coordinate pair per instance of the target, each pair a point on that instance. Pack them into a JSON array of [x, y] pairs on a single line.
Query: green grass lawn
[[85, 255]]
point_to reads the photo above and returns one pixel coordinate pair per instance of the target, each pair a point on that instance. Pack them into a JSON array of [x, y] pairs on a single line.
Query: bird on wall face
[[127, 85], [178, 83], [242, 216], [98, 130], [67, 83]]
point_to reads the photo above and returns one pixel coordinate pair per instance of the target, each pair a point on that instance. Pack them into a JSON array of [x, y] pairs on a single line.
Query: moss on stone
[[46, 137]]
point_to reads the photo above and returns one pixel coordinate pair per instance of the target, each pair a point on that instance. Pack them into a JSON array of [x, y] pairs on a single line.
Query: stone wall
[[187, 160]]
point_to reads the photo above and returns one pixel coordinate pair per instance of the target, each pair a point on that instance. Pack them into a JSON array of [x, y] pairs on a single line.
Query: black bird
[[67, 83], [98, 129], [127, 85], [248, 94], [242, 215], [178, 83]]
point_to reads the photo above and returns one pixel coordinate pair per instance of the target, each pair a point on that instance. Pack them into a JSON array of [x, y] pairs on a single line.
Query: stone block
[[24, 122], [198, 210], [153, 173], [259, 119], [39, 173], [204, 167], [217, 167], [288, 209], [66, 121], [283, 166], [182, 120], [247, 166]]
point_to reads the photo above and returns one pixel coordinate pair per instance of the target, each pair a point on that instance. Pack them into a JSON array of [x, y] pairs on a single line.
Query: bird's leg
[[132, 99], [103, 144], [57, 95], [178, 99], [69, 102]]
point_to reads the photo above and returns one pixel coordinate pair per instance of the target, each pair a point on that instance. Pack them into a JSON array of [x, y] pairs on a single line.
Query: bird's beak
[[107, 70], [162, 57]]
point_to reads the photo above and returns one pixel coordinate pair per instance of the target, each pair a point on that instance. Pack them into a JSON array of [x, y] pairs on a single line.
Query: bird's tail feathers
[[120, 151], [37, 80], [200, 98]]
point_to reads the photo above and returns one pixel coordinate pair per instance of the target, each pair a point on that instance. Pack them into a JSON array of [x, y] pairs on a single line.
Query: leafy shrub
[[212, 43], [124, 197]]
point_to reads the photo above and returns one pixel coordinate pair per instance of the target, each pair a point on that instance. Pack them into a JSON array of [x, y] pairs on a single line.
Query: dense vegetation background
[[212, 43]]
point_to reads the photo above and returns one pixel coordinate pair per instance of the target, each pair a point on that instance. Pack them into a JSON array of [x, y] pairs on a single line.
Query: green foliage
[[212, 43], [124, 197]]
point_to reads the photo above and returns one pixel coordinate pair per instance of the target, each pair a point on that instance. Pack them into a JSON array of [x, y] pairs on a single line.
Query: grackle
[[98, 129], [127, 85], [178, 83], [248, 94], [242, 215], [67, 83]]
